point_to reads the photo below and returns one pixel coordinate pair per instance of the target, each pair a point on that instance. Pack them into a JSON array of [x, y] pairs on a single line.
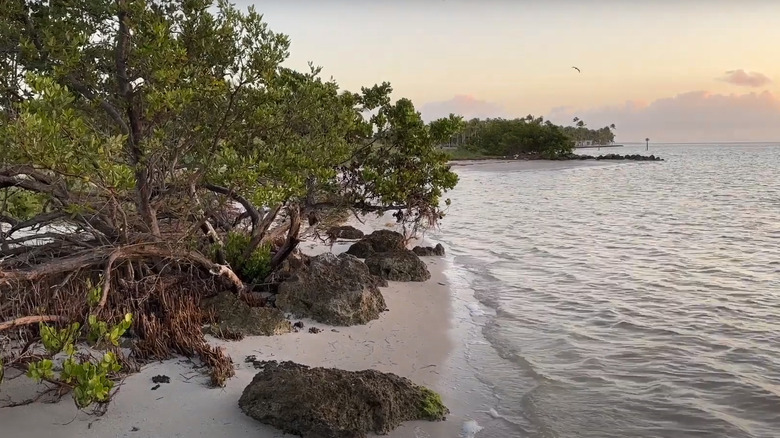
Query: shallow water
[[626, 299]]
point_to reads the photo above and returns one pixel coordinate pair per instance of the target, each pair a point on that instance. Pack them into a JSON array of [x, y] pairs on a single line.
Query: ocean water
[[624, 299]]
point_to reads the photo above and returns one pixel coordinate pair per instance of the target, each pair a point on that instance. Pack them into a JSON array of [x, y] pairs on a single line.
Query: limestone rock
[[378, 241], [333, 290], [235, 316], [428, 251], [345, 232], [398, 265], [332, 403]]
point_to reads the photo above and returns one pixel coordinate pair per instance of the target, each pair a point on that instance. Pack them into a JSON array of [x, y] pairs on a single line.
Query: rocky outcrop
[[427, 251], [633, 157], [398, 265], [332, 403], [378, 241], [345, 232], [236, 317], [333, 290]]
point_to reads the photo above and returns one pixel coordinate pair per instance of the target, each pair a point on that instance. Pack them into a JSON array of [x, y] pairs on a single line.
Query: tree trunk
[[292, 241], [259, 233]]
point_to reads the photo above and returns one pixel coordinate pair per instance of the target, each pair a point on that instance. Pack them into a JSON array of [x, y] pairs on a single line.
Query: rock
[[345, 232], [399, 265], [235, 316], [361, 249], [378, 241], [427, 251], [160, 378], [292, 264], [314, 330], [333, 290], [260, 299], [332, 403], [633, 157]]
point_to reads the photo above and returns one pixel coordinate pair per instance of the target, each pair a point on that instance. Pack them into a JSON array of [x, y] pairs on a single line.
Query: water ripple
[[644, 299]]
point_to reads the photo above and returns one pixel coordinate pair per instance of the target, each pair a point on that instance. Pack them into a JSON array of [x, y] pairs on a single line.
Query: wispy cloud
[[745, 79], [688, 117], [463, 105]]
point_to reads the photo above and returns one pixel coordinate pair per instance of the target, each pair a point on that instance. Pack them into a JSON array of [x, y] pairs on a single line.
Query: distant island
[[528, 138]]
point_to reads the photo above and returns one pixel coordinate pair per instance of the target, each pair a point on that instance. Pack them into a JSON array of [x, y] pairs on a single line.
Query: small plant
[[251, 269], [41, 370], [88, 378], [99, 331], [94, 294], [91, 382], [55, 340]]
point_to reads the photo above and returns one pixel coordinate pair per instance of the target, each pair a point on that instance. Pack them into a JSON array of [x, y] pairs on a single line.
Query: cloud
[[696, 116], [745, 79], [467, 106]]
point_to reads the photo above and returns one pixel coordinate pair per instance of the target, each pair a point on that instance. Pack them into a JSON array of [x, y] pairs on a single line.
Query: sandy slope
[[415, 339]]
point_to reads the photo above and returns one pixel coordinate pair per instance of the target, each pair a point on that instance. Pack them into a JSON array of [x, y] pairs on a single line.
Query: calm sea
[[628, 299]]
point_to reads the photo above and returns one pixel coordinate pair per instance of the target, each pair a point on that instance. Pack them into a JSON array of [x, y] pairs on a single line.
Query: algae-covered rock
[[333, 403], [378, 241], [333, 290], [345, 232], [399, 265], [428, 251], [235, 316]]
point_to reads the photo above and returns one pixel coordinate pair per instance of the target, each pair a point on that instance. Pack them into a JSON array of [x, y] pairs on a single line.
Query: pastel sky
[[693, 70]]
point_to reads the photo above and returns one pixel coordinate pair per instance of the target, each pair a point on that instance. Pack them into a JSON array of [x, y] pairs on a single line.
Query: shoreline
[[414, 339]]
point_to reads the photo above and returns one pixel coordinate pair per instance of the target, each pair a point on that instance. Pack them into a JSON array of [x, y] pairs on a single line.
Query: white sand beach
[[416, 338]]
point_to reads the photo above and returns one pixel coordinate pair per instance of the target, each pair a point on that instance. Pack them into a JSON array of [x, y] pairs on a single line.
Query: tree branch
[[41, 220], [70, 81], [15, 177], [292, 237], [259, 232], [27, 320], [254, 215]]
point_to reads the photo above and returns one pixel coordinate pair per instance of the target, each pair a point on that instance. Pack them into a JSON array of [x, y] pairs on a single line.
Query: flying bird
[[577, 69]]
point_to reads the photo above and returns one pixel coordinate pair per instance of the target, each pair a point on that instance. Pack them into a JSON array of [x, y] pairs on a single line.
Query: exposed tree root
[[165, 302], [25, 320]]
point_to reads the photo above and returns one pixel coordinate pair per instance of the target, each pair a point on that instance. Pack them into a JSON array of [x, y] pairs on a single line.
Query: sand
[[417, 338]]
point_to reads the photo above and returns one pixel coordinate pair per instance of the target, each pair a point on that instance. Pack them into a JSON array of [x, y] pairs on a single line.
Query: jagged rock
[[333, 290], [345, 232], [427, 251], [378, 241], [633, 157], [235, 316], [361, 249], [399, 265], [333, 403]]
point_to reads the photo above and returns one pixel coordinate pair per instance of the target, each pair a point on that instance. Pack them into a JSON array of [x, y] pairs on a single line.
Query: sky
[[673, 71]]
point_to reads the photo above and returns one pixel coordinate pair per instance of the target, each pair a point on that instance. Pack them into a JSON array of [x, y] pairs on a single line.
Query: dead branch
[[107, 279], [26, 320]]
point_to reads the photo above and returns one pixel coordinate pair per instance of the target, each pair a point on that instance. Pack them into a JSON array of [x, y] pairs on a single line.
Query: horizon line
[[777, 142]]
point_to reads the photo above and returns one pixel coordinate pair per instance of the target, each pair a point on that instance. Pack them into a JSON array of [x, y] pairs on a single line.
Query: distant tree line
[[580, 133], [527, 135]]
